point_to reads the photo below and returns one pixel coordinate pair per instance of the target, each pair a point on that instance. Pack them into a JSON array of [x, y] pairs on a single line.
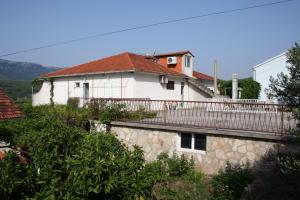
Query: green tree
[[287, 86], [250, 88]]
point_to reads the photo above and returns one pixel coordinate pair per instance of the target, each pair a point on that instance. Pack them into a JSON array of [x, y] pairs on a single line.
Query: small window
[[77, 84], [191, 141], [186, 140], [200, 142], [187, 61], [170, 85]]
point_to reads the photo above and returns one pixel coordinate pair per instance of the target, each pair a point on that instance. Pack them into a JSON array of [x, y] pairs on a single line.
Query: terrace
[[252, 116]]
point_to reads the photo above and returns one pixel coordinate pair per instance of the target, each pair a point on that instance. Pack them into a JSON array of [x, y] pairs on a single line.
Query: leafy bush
[[103, 168], [231, 183], [140, 114], [112, 112], [73, 102], [14, 180], [188, 186], [274, 181], [250, 88], [174, 178]]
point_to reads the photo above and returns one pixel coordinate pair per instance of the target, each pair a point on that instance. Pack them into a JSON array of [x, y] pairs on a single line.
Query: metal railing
[[258, 117]]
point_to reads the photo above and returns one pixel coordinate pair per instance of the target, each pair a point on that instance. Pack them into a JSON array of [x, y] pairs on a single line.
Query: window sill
[[192, 151]]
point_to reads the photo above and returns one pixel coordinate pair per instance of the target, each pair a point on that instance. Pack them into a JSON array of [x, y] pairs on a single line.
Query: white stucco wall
[[43, 96], [134, 85], [100, 85], [188, 70], [194, 94], [148, 86], [262, 72]]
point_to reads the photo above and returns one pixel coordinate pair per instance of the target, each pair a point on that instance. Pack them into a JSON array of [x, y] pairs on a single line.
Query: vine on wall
[[51, 91]]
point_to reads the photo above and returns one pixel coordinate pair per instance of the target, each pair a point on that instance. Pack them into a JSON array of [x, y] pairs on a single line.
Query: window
[[77, 84], [187, 61], [170, 85], [191, 141]]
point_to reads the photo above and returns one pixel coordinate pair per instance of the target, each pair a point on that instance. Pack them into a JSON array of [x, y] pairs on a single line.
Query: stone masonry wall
[[219, 149]]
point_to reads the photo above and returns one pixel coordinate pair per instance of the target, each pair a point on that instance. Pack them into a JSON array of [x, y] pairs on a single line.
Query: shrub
[[276, 177], [102, 167], [73, 102], [175, 178], [188, 186], [113, 111], [230, 183], [250, 88], [15, 181]]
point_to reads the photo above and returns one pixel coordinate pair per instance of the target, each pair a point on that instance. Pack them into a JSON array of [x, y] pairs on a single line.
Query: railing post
[[281, 121], [165, 112]]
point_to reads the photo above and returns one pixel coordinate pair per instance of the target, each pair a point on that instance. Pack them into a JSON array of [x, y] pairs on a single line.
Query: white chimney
[[234, 86]]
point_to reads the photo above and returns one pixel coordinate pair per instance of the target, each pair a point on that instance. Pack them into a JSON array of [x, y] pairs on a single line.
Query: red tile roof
[[117, 63], [173, 53], [202, 76], [8, 109]]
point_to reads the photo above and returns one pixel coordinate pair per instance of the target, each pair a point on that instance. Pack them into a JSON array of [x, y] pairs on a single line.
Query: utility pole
[[216, 91]]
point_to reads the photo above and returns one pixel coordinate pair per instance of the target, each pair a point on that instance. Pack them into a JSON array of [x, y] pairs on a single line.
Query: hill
[[16, 77], [12, 70]]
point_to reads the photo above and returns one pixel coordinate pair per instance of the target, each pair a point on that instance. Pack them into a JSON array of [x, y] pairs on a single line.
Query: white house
[[127, 75], [271, 67]]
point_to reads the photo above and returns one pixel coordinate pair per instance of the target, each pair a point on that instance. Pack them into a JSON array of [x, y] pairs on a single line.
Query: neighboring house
[[271, 67], [127, 75], [8, 110]]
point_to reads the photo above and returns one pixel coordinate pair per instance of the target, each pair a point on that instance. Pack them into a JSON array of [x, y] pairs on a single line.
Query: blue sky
[[237, 40]]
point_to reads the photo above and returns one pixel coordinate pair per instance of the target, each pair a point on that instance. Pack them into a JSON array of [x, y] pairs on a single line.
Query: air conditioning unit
[[163, 79], [172, 60]]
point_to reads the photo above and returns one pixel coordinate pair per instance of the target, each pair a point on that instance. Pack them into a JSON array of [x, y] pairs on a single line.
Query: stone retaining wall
[[219, 148]]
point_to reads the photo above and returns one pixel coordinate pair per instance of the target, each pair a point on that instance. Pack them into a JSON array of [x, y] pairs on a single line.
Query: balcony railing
[[258, 117]]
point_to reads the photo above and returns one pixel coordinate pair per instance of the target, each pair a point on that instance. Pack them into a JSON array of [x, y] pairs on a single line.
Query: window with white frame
[[187, 61], [77, 84], [192, 141]]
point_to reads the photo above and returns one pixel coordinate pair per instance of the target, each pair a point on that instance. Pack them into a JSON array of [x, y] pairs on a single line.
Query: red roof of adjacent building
[[202, 76], [117, 63], [173, 53], [8, 109]]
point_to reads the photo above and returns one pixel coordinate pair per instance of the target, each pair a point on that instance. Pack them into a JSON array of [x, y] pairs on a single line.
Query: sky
[[238, 41]]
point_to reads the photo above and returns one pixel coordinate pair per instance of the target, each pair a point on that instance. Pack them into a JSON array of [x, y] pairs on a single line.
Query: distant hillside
[[11, 70], [16, 77]]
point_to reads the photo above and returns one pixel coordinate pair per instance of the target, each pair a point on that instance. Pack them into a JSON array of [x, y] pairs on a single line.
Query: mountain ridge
[[16, 70]]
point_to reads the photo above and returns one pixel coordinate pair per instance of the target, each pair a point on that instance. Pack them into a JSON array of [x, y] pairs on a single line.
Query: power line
[[145, 26]]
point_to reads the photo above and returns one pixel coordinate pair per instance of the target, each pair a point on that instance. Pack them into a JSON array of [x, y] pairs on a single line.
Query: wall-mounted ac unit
[[163, 79], [172, 60]]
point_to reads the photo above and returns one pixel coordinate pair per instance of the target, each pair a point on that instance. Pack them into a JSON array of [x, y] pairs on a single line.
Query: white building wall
[[188, 70], [43, 96], [194, 94], [101, 85], [271, 67], [134, 85], [148, 86]]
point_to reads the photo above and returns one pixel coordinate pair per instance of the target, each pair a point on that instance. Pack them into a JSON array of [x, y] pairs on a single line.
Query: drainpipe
[[234, 86]]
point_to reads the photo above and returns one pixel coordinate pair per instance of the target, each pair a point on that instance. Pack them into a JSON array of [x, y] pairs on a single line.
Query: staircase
[[201, 87]]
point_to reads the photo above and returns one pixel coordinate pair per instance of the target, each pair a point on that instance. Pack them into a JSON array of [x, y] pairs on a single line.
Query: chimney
[[234, 86]]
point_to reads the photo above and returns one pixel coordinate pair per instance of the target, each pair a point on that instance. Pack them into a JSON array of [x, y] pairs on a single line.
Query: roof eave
[[90, 73]]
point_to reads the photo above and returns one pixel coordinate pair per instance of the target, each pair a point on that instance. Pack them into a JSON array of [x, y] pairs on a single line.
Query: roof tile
[[8, 108], [202, 76], [118, 63]]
